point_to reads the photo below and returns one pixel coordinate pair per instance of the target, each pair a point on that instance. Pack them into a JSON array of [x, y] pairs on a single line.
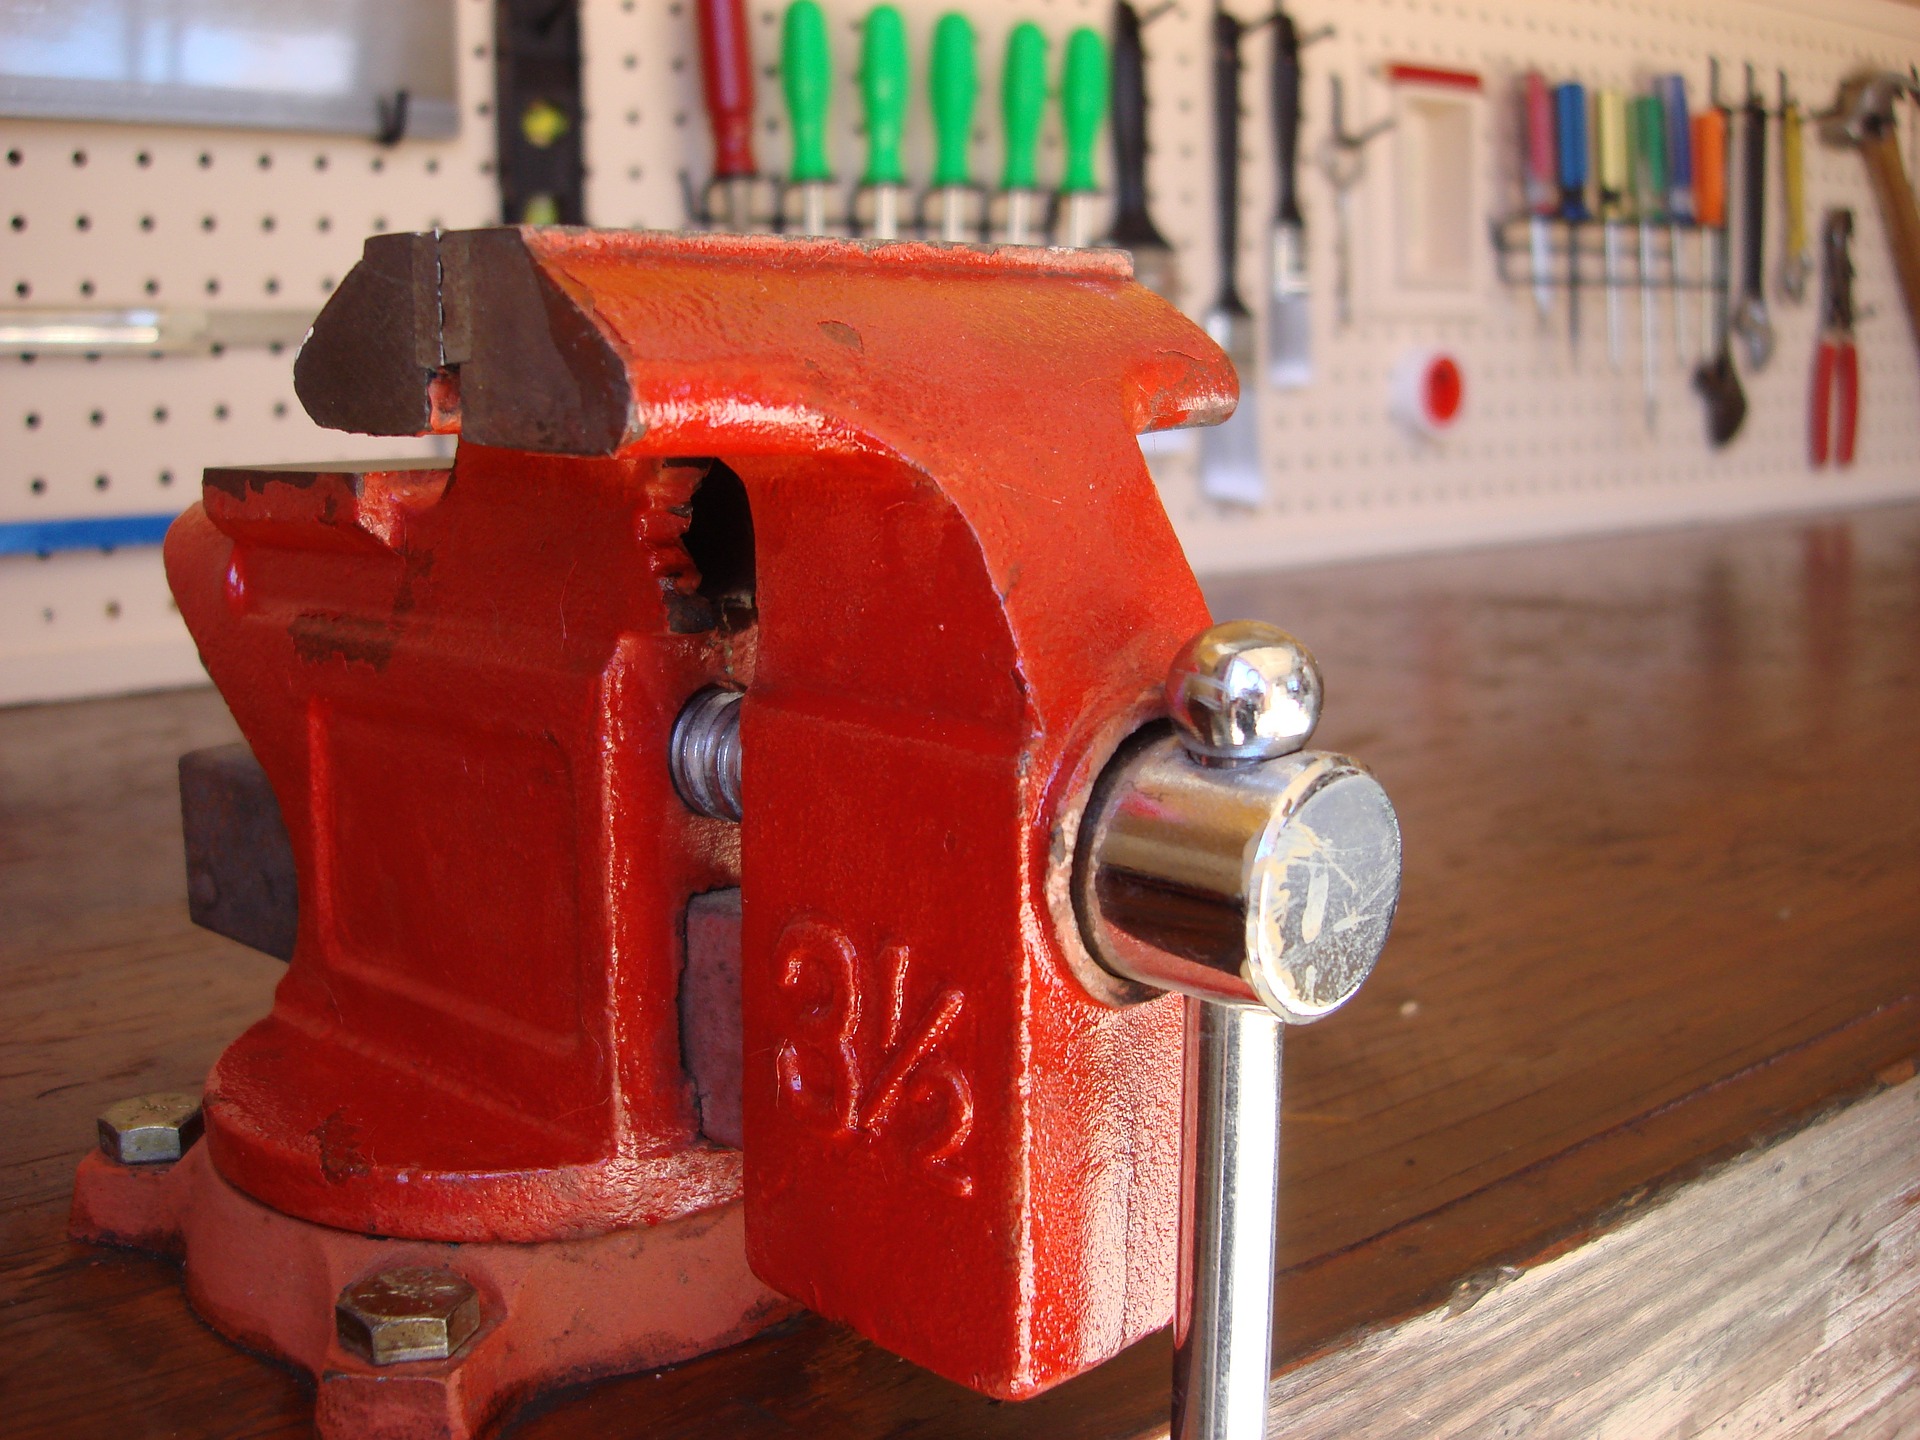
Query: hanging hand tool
[[950, 84], [806, 72], [726, 65], [1613, 175], [1750, 320], [1862, 117], [1133, 228], [1083, 110], [1679, 128], [1230, 451], [1715, 378], [1794, 261], [1570, 137], [1540, 191], [1836, 363], [1343, 161], [1289, 333], [1649, 191], [1023, 105], [883, 88]]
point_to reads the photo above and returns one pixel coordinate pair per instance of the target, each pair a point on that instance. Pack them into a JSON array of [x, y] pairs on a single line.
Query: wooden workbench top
[[1661, 801]]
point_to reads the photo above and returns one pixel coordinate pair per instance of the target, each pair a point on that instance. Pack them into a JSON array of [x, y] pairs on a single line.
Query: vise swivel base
[[750, 808]]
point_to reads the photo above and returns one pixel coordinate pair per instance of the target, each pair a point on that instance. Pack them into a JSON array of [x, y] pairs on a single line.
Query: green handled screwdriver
[[1614, 176], [1649, 196], [951, 90], [1023, 103], [806, 72], [883, 89], [1083, 110]]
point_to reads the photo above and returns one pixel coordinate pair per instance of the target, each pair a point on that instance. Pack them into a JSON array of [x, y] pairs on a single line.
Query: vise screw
[[756, 811]]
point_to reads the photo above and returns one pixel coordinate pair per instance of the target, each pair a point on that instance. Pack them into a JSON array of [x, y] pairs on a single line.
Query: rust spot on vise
[[842, 334], [339, 1139], [319, 637]]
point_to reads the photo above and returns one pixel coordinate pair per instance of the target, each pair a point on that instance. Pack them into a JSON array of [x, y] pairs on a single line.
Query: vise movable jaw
[[825, 571]]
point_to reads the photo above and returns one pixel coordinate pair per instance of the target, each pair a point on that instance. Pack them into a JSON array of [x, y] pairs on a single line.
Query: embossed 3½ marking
[[881, 1077]]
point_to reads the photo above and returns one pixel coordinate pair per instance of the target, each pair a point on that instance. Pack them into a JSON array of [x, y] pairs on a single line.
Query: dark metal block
[[240, 876]]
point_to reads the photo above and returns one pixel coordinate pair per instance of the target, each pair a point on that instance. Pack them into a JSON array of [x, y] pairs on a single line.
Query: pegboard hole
[[206, 160], [83, 222], [14, 157], [33, 419], [143, 159], [113, 609], [79, 158], [19, 222], [96, 417], [38, 485], [166, 477], [22, 289], [101, 482], [86, 288], [146, 222]]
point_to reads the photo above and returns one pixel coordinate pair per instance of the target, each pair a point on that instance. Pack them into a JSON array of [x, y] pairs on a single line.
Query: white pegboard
[[1544, 447]]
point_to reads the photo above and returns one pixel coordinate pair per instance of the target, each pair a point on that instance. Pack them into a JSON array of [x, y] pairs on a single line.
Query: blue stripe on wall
[[47, 537]]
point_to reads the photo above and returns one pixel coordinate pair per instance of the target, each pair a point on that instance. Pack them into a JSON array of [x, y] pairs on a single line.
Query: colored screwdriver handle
[[951, 87], [1614, 173], [1650, 157], [1540, 176], [883, 87], [1286, 116], [1570, 135], [1023, 105], [1083, 108], [1793, 174], [806, 71], [1710, 167], [1679, 142], [726, 65]]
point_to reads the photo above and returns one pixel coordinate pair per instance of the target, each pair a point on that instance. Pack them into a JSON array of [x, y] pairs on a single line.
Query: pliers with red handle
[[1836, 363]]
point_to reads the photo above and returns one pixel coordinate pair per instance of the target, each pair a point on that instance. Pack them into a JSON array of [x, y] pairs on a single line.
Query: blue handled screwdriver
[[1570, 134]]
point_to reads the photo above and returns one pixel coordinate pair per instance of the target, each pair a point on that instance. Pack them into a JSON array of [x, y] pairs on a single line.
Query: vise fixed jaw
[[879, 513]]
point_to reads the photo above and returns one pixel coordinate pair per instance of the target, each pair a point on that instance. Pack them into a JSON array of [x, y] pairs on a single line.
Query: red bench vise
[[749, 665]]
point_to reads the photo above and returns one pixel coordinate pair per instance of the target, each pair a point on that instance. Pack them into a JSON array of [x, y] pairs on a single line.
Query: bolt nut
[[415, 1313], [150, 1129]]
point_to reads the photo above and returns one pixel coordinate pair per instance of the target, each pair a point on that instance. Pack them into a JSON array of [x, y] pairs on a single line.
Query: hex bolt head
[[150, 1129], [1242, 692], [413, 1313]]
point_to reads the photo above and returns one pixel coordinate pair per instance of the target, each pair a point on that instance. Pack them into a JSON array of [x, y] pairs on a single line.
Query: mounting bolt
[[704, 753], [150, 1129], [414, 1313]]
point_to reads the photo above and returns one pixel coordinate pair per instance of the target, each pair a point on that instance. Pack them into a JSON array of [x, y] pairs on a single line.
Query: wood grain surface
[[1661, 798]]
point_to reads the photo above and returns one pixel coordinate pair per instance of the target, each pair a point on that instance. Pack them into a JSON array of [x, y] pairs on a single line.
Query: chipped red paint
[[462, 688]]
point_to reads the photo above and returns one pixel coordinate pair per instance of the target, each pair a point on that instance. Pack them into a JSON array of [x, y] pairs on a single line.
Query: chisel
[[1230, 451], [1679, 125], [950, 87], [1751, 321], [1570, 137], [1289, 332], [1023, 105], [1540, 191], [883, 89], [1083, 110], [726, 65], [1649, 190], [1133, 228], [1613, 175], [806, 72]]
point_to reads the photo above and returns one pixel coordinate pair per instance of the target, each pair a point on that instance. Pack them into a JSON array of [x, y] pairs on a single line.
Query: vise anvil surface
[[893, 494]]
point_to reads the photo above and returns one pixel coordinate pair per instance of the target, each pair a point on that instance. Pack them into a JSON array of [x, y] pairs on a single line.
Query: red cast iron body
[[462, 679]]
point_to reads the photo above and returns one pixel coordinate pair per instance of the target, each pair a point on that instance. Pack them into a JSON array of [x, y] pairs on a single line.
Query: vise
[[752, 808]]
